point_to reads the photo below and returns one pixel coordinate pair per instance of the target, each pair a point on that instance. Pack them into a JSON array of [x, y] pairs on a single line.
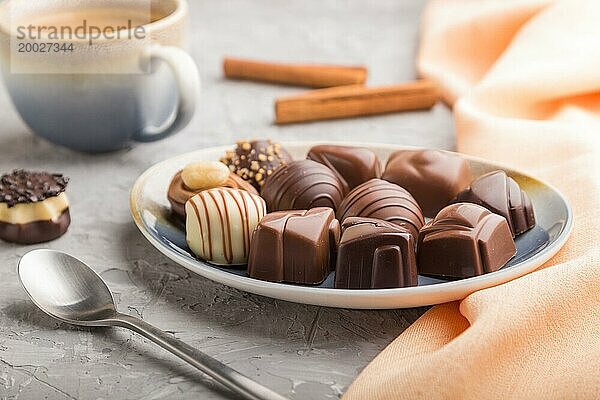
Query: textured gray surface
[[301, 351]]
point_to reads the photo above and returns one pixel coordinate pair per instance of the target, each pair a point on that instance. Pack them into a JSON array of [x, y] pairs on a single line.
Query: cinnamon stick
[[309, 75], [354, 101]]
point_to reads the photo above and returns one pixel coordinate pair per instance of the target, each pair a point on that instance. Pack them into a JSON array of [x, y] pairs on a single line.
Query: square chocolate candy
[[501, 195], [295, 246], [464, 240], [375, 254]]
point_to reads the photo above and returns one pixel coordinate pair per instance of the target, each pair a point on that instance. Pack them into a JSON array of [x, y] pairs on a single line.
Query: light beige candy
[[25, 213], [220, 223], [205, 175]]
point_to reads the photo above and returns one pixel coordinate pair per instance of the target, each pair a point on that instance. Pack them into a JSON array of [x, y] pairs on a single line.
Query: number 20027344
[[44, 47]]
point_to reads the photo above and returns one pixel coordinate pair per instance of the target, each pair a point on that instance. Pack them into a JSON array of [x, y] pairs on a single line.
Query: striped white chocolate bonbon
[[220, 223]]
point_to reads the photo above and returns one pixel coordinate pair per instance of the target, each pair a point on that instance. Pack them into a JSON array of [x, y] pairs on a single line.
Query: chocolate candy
[[33, 207], [433, 177], [383, 200], [36, 231], [375, 254], [220, 223], [301, 185], [464, 240], [501, 195], [178, 193], [295, 246], [255, 160], [352, 165], [23, 187]]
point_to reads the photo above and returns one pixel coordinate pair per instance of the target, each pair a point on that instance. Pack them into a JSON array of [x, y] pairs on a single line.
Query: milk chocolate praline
[[383, 200], [255, 160], [178, 193], [464, 240], [352, 165], [295, 246], [33, 207], [502, 195], [375, 254], [433, 177], [302, 185]]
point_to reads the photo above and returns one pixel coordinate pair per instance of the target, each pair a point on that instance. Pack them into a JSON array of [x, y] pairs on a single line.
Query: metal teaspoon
[[70, 291]]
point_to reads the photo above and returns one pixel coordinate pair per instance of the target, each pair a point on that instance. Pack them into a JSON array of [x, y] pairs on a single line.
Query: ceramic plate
[[151, 213]]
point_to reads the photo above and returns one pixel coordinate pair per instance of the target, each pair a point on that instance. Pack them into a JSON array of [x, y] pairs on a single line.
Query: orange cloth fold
[[523, 77]]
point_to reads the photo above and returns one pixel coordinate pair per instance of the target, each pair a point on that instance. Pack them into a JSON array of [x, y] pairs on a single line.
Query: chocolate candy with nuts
[[255, 160], [200, 176], [33, 207]]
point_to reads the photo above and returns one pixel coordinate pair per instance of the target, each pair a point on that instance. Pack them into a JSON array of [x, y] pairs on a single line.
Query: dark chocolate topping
[[501, 195], [352, 165], [301, 185], [255, 160], [383, 200], [22, 186], [464, 240], [433, 177], [295, 246], [375, 254]]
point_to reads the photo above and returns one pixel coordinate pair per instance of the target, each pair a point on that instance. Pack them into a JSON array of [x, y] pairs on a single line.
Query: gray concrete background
[[303, 352]]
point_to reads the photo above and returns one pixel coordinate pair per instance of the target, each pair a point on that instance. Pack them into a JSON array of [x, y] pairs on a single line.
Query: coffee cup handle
[[188, 85]]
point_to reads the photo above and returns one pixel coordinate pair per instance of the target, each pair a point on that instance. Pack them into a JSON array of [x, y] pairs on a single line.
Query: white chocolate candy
[[205, 175], [220, 223]]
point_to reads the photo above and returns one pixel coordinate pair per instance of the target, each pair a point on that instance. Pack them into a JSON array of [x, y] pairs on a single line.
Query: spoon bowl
[[66, 288]]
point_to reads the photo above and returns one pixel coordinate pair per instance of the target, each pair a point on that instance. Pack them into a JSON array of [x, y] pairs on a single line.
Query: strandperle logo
[[77, 37], [91, 33]]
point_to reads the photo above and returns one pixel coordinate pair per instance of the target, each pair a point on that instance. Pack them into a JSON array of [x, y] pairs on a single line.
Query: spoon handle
[[220, 372]]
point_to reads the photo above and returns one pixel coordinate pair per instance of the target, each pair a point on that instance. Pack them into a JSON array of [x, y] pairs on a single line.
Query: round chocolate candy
[[220, 223], [383, 200], [33, 207], [302, 185], [255, 160], [178, 193]]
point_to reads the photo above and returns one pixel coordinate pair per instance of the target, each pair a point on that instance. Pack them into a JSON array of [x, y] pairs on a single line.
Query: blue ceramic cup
[[100, 95]]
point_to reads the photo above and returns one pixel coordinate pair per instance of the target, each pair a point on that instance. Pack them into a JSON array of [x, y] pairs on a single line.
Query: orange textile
[[523, 77]]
